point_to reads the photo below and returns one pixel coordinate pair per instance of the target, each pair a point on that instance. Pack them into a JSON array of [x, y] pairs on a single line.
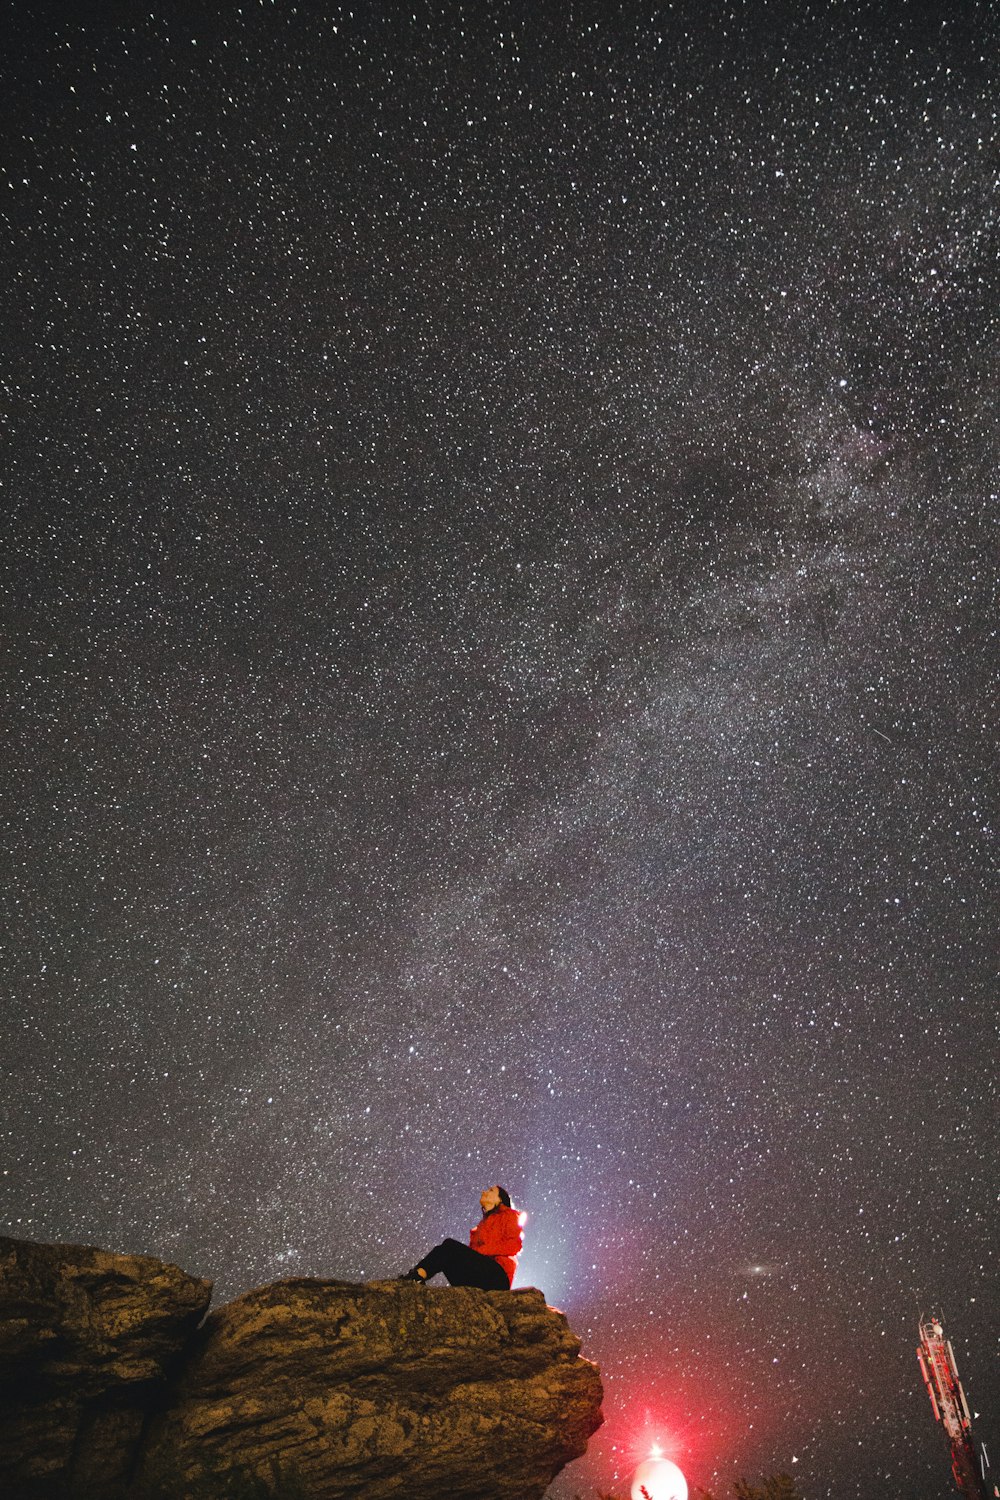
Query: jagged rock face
[[110, 1389], [389, 1389], [87, 1341]]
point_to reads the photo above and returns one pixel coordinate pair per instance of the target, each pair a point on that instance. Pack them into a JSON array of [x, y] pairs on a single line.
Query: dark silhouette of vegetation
[[776, 1487]]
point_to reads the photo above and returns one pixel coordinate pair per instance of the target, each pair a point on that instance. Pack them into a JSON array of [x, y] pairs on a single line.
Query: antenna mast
[[937, 1365]]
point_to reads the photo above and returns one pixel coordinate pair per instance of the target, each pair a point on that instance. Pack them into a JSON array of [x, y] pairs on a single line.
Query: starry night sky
[[499, 658]]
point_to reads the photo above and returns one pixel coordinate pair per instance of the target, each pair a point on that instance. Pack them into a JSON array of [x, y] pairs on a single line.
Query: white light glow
[[661, 1479]]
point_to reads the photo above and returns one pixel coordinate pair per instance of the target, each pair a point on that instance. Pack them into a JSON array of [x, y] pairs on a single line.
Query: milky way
[[500, 671]]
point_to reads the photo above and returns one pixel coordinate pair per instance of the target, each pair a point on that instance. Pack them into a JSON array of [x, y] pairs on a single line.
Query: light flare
[[657, 1478]]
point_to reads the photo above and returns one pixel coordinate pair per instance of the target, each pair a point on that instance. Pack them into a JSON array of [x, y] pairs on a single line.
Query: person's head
[[494, 1197]]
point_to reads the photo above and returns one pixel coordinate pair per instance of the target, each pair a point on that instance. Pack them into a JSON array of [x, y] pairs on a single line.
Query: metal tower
[[937, 1365]]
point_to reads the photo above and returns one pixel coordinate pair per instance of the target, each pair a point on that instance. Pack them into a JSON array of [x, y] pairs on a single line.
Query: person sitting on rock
[[489, 1259]]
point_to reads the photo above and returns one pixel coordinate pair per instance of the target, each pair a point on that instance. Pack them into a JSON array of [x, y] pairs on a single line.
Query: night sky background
[[499, 657]]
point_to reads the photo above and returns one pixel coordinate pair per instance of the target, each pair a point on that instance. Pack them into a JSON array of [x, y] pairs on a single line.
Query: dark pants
[[464, 1266]]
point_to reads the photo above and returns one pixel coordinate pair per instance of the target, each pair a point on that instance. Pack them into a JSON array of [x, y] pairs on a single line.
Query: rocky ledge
[[114, 1386]]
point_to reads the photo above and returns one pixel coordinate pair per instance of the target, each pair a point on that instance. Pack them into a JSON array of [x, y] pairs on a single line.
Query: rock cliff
[[88, 1342], [110, 1390]]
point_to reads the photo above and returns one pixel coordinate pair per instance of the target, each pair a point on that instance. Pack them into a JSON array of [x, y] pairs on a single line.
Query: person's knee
[[452, 1244]]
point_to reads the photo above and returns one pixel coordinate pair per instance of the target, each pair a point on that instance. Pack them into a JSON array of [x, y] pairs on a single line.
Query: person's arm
[[502, 1235], [511, 1244]]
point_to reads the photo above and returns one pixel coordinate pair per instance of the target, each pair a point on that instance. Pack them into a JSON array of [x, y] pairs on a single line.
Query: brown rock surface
[[87, 1340], [388, 1389], [110, 1389]]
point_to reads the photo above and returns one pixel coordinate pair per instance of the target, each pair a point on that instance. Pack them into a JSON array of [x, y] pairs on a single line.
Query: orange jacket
[[498, 1235]]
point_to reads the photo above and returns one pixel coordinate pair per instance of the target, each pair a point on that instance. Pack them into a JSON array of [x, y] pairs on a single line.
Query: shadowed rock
[[389, 1389], [87, 1342]]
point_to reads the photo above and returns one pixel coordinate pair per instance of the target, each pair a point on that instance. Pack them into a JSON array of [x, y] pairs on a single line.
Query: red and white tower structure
[[937, 1365]]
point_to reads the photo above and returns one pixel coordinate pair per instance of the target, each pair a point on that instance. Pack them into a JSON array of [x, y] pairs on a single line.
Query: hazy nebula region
[[499, 623]]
